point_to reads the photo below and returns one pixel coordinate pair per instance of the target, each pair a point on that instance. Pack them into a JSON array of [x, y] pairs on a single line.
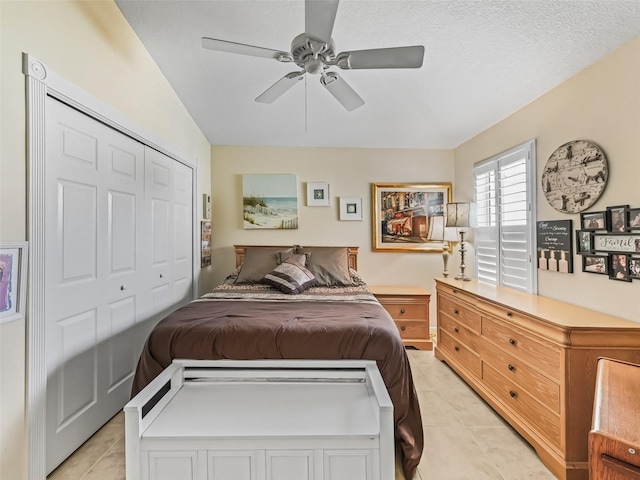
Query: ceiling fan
[[314, 51]]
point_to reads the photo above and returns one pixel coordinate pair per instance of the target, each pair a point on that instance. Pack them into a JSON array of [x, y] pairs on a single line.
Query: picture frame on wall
[[402, 213], [350, 208], [595, 264], [619, 267], [634, 268], [617, 219], [318, 194], [13, 280], [593, 221], [205, 242], [634, 218], [584, 241]]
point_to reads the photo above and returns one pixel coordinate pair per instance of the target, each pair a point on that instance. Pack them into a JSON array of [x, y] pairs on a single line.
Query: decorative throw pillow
[[258, 261], [290, 277], [330, 265]]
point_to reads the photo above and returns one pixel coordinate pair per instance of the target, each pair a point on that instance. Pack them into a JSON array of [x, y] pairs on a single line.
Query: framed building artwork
[[13, 280], [402, 213]]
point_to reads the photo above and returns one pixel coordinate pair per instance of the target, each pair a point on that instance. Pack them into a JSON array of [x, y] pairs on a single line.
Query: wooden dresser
[[614, 442], [534, 360], [409, 308]]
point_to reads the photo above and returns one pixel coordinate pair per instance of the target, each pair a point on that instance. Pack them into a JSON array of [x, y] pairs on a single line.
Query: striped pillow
[[290, 277]]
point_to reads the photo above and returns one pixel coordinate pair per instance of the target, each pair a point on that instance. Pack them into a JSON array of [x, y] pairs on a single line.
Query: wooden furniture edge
[[352, 252]]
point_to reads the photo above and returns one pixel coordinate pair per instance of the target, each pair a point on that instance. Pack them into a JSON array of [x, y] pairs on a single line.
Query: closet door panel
[[183, 232]]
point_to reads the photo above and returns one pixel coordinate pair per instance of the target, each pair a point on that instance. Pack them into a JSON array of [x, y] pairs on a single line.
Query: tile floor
[[464, 438]]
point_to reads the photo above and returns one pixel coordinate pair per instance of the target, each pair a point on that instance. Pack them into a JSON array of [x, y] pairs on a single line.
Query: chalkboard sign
[[554, 247]]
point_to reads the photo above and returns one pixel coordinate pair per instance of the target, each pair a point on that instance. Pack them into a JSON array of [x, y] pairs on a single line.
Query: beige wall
[[350, 172], [600, 104], [92, 46]]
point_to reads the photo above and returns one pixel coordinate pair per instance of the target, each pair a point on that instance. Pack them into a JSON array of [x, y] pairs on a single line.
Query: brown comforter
[[320, 324]]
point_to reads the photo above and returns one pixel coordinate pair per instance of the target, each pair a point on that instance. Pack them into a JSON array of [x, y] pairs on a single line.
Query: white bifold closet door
[[118, 256]]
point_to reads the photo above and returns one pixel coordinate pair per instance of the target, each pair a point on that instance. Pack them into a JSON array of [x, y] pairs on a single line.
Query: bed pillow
[[330, 265], [290, 277], [258, 261]]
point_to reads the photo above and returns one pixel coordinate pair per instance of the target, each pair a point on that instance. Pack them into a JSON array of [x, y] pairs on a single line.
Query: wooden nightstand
[[409, 308]]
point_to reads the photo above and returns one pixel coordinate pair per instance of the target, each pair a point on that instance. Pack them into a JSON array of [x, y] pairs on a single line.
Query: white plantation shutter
[[504, 191]]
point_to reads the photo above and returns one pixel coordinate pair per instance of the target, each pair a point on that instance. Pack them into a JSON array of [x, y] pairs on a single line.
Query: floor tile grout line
[[106, 452]]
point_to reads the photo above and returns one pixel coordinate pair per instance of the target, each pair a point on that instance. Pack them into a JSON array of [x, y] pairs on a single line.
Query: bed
[[334, 316]]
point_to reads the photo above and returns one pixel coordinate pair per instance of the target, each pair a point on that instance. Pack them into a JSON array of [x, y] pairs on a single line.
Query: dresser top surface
[[548, 309], [398, 290]]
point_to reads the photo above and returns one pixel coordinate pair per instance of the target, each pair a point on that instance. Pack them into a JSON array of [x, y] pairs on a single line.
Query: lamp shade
[[451, 234], [436, 228], [461, 215]]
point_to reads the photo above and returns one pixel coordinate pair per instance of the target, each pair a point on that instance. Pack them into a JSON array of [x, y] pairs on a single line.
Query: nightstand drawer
[[413, 328], [400, 310]]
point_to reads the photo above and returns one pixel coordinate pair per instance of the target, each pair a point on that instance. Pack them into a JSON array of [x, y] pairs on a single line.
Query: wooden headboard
[[352, 253]]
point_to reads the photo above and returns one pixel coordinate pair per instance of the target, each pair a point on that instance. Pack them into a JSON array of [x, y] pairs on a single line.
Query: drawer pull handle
[[456, 311], [455, 291], [511, 367], [456, 348], [455, 329], [512, 341], [513, 394], [632, 451], [402, 310], [403, 328], [509, 314]]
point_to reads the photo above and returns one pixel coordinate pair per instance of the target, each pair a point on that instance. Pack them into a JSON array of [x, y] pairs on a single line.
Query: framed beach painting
[[13, 280], [270, 201], [402, 213]]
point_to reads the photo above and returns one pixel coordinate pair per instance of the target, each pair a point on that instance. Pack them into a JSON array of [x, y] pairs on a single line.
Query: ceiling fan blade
[[278, 89], [394, 57], [319, 17], [242, 49], [341, 90]]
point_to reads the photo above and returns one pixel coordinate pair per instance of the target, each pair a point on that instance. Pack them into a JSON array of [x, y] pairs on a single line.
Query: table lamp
[[439, 233], [461, 216]]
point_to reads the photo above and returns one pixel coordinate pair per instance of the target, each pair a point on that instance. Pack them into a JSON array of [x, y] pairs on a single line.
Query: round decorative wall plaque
[[575, 176]]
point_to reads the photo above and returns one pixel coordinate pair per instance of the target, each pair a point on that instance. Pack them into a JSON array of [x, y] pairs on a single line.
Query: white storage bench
[[262, 420]]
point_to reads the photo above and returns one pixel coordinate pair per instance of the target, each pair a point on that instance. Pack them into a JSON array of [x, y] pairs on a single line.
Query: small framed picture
[[318, 194], [619, 267], [584, 241], [13, 280], [634, 268], [634, 218], [350, 208], [593, 221], [617, 218], [205, 243], [595, 264]]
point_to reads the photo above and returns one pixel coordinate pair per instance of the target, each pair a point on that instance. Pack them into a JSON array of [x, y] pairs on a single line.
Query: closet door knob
[[122, 287], [161, 275]]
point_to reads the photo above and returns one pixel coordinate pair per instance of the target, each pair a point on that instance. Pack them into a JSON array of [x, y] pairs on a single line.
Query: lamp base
[[462, 276]]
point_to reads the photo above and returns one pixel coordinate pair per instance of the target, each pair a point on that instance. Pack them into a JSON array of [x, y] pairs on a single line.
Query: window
[[504, 190]]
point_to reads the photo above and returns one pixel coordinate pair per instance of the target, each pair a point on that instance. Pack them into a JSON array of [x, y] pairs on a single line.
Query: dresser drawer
[[545, 390], [409, 309], [460, 354], [461, 333], [525, 405], [463, 314], [413, 328], [545, 357]]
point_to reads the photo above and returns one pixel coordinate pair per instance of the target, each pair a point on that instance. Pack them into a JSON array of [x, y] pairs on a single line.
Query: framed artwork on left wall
[[205, 243], [13, 280]]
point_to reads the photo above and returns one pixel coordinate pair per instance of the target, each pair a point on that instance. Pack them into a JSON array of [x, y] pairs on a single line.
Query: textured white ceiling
[[484, 59]]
